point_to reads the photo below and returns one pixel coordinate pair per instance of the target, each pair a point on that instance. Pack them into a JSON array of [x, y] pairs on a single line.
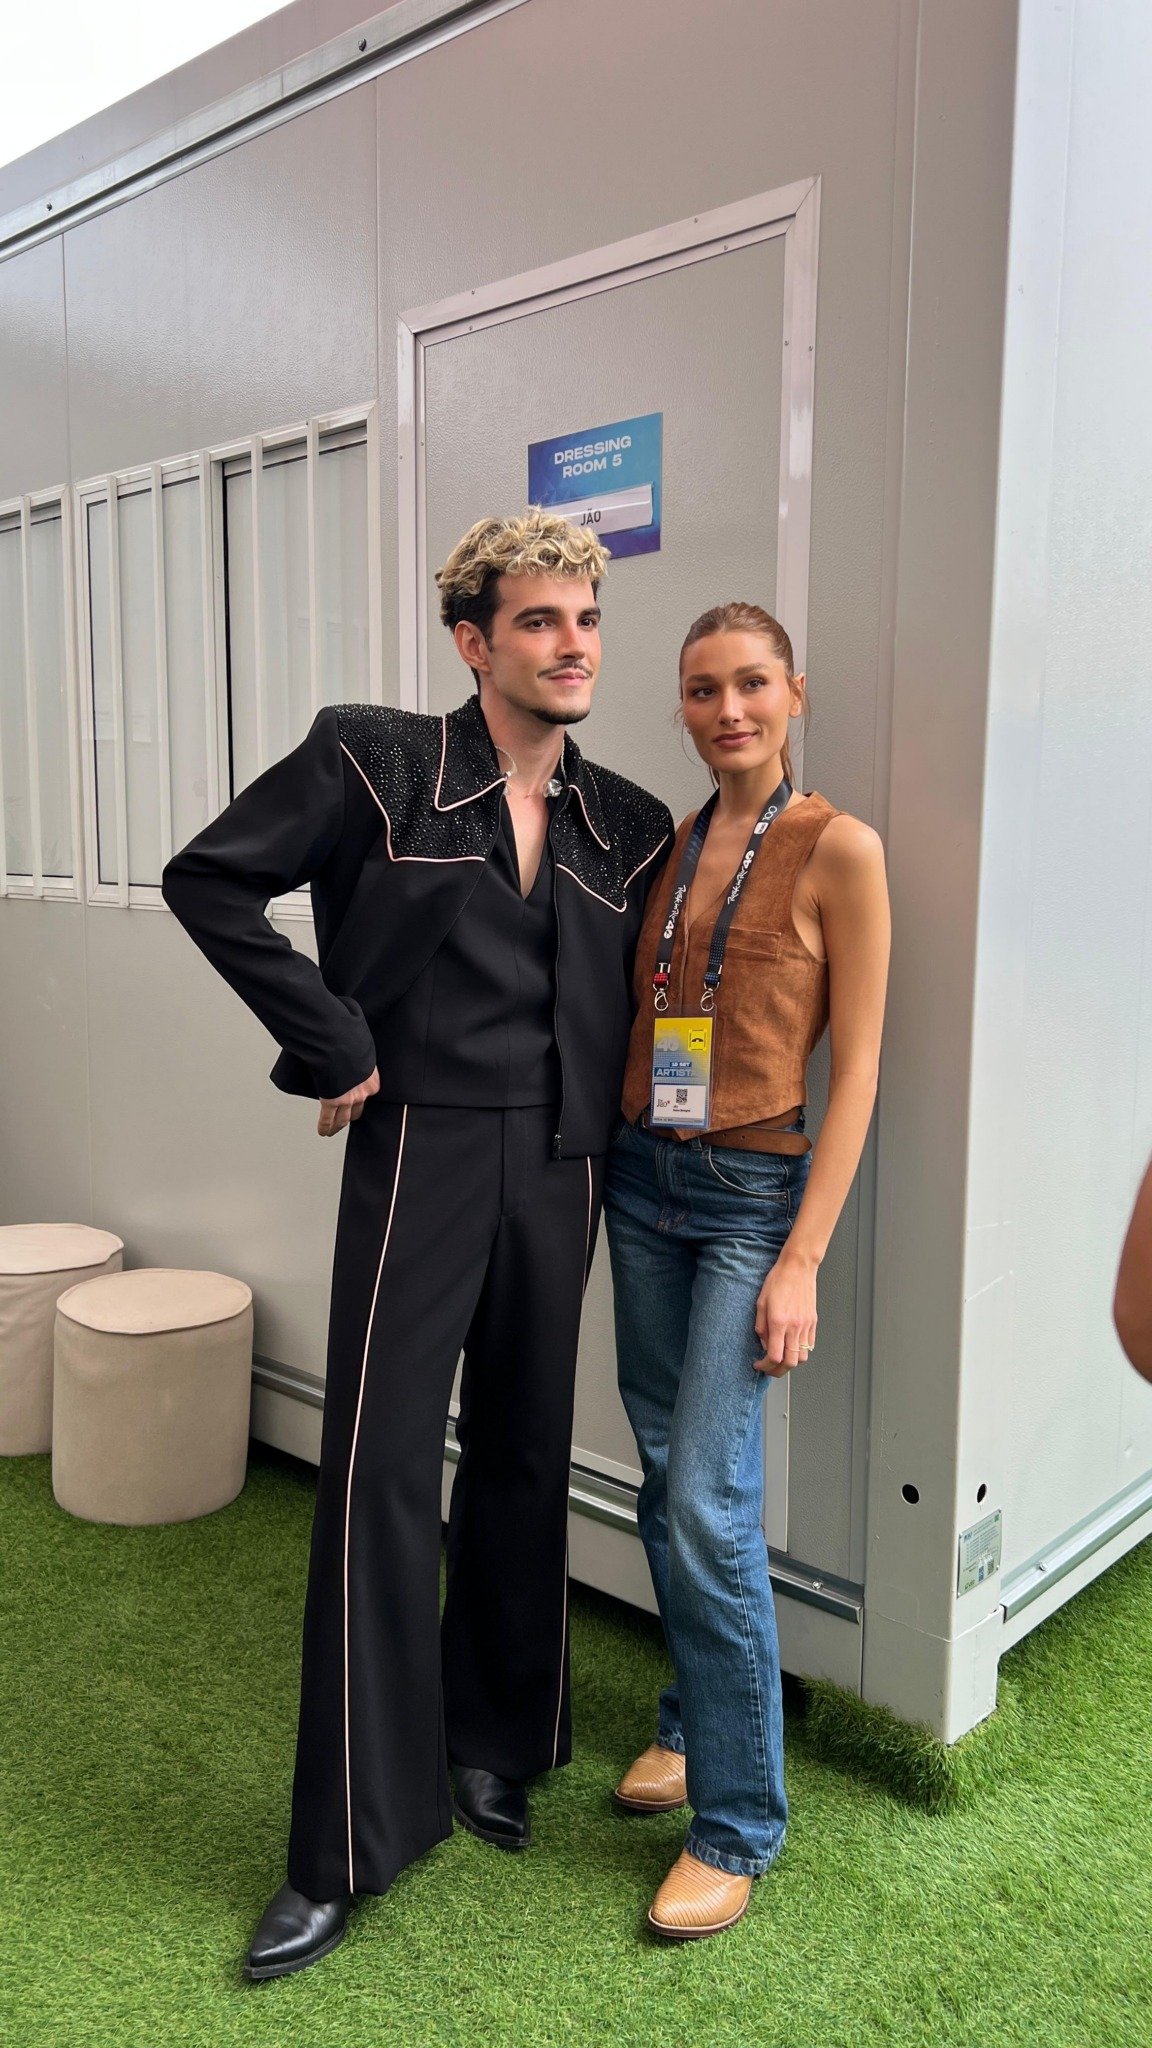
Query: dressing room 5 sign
[[604, 478]]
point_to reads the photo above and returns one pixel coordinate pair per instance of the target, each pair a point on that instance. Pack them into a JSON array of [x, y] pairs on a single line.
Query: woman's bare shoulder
[[847, 846]]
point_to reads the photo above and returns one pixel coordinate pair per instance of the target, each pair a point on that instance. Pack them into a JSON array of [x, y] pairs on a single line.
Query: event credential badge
[[681, 1072]]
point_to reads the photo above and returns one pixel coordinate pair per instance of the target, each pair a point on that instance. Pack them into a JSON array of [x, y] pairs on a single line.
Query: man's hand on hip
[[340, 1110]]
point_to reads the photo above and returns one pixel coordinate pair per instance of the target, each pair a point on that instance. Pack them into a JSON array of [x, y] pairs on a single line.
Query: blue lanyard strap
[[689, 862]]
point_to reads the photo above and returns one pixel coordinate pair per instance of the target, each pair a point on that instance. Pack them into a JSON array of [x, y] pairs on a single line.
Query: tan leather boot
[[695, 1900], [654, 1783]]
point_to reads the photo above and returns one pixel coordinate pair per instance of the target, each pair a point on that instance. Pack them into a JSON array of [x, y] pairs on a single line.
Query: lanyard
[[689, 862]]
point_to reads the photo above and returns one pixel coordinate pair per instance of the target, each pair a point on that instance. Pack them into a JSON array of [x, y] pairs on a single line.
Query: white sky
[[61, 63]]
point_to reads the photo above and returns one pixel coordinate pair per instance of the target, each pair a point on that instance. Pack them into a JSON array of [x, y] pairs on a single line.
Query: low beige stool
[[153, 1384], [38, 1262]]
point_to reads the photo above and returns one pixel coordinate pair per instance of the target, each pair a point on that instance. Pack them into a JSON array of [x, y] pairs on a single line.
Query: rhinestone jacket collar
[[470, 768]]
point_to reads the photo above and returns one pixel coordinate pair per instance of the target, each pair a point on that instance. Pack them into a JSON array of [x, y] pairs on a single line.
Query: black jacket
[[390, 815]]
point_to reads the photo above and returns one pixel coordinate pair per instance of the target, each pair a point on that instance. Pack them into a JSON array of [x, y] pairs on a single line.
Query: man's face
[[543, 656]]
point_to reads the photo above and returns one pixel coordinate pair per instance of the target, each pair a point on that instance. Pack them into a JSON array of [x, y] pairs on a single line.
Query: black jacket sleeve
[[276, 835]]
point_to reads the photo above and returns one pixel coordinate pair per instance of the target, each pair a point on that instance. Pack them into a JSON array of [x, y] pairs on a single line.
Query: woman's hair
[[747, 618]]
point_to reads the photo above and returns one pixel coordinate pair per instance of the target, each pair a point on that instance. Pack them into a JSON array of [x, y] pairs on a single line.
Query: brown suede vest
[[772, 1002]]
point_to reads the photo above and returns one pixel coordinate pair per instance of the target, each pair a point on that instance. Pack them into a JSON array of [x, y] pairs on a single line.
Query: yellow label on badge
[[681, 1073]]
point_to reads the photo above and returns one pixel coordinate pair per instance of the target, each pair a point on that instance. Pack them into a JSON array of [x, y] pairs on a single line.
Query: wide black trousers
[[457, 1231]]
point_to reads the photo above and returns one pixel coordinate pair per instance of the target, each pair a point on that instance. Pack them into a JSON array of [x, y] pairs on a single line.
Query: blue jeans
[[693, 1229]]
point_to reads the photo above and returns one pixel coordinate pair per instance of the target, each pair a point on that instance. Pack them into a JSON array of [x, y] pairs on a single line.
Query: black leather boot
[[494, 1808], [294, 1932]]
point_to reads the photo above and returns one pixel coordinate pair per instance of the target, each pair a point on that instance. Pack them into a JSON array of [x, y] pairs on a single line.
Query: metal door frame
[[792, 211]]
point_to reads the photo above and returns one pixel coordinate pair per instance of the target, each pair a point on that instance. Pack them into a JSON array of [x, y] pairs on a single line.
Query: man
[[477, 889]]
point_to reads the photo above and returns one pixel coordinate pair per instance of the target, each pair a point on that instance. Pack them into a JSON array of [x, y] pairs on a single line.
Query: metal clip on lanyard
[[689, 862]]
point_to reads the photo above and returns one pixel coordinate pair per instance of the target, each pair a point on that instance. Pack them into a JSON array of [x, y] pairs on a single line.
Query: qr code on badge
[[681, 1097]]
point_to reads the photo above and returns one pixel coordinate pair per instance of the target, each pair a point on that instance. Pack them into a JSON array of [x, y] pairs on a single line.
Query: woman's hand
[[786, 1315], [339, 1110]]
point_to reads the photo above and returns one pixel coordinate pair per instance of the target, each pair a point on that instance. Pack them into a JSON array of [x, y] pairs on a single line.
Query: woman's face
[[736, 696]]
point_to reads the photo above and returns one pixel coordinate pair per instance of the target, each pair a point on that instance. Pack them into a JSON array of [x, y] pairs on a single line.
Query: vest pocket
[[752, 946]]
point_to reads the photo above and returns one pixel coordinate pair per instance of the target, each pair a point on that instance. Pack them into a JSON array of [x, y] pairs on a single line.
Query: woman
[[771, 921]]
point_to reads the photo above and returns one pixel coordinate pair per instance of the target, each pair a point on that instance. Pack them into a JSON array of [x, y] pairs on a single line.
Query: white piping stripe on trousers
[[348, 1498], [564, 1623], [563, 1640]]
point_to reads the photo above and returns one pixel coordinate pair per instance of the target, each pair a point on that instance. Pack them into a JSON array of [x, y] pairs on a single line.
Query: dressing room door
[[713, 331]]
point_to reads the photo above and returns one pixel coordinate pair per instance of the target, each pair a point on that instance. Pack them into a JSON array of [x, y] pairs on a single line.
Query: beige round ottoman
[[38, 1261], [153, 1382]]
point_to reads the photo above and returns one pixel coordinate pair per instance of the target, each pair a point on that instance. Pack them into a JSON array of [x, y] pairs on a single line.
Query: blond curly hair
[[539, 543]]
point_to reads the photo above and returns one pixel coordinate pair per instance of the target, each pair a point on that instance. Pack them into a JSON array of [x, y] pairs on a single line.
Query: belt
[[760, 1138]]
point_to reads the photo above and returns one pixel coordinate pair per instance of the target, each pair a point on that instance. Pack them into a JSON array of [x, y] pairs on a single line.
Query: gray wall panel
[[33, 371], [241, 296], [1062, 1110], [45, 1173], [197, 1159]]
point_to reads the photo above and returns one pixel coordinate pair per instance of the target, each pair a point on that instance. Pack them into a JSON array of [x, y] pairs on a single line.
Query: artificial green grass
[[906, 1758], [147, 1700]]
